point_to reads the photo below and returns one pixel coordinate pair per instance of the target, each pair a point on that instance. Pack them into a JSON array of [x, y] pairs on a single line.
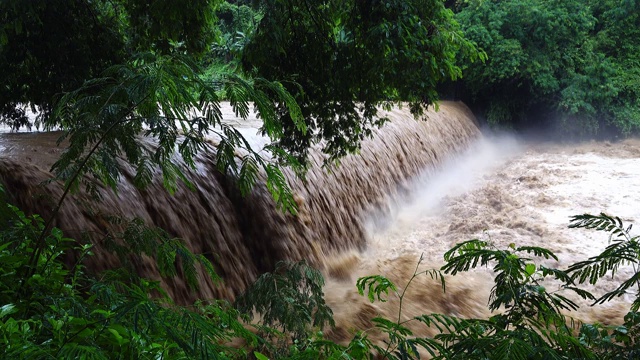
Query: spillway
[[246, 236]]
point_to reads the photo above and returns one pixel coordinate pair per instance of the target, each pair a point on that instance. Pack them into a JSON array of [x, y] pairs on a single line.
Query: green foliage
[[568, 65], [343, 59], [237, 24], [611, 342], [48, 47], [57, 312], [528, 324], [376, 285], [162, 24], [164, 98], [51, 47], [518, 280], [614, 342], [528, 320], [624, 249], [531, 326], [158, 93], [146, 81], [290, 301], [404, 47], [172, 256]]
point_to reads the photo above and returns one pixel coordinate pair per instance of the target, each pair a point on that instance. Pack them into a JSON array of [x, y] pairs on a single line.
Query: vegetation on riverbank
[[107, 71], [52, 311], [571, 67]]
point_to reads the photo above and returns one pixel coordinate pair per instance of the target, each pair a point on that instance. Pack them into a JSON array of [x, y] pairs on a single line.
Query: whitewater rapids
[[503, 191], [416, 188]]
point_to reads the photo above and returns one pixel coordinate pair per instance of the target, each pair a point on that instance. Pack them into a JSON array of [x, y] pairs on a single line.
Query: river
[[417, 189], [505, 191]]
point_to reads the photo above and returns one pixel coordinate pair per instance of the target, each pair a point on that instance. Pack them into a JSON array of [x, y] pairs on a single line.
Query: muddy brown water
[[245, 236], [503, 191], [416, 188]]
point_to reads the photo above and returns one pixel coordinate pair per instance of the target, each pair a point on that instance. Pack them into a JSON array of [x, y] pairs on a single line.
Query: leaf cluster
[[342, 59], [163, 98], [529, 320], [624, 249], [51, 47], [563, 65], [529, 324], [237, 24], [290, 303], [172, 256], [61, 312]]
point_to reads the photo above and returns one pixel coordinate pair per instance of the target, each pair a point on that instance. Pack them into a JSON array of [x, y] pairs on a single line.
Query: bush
[[50, 310]]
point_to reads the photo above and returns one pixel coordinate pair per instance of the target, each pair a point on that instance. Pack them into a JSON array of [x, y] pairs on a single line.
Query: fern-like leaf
[[375, 286]]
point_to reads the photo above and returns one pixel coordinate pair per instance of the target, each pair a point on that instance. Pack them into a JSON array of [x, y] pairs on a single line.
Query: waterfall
[[245, 236]]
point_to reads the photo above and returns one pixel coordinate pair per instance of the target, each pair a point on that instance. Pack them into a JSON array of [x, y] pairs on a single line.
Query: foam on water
[[417, 188]]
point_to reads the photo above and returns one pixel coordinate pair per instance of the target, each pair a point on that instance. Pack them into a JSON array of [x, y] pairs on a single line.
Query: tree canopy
[[338, 58], [48, 48], [570, 65], [314, 72], [342, 59]]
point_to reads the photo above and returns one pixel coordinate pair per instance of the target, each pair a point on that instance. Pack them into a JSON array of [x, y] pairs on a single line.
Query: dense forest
[[565, 66], [568, 66], [105, 72]]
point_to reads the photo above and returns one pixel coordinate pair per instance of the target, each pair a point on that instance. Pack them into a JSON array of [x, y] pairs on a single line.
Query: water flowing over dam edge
[[245, 236]]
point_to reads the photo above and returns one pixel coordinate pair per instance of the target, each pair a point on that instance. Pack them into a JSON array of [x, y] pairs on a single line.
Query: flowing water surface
[[504, 191], [416, 189]]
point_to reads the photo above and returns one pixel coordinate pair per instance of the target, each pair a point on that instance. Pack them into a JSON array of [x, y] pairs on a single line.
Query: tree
[[48, 48], [342, 59], [568, 65], [237, 23], [153, 85]]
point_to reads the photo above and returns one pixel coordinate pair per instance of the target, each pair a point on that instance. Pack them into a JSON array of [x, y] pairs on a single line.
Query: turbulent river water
[[416, 189], [504, 191]]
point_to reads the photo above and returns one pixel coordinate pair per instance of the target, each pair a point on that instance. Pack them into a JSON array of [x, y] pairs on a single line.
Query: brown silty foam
[[244, 236]]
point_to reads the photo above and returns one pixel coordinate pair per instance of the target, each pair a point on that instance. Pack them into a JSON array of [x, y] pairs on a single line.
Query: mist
[[504, 191], [428, 191]]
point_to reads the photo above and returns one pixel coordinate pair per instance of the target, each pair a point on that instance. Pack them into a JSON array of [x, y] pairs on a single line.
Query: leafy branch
[[377, 286], [161, 97], [624, 249], [289, 299]]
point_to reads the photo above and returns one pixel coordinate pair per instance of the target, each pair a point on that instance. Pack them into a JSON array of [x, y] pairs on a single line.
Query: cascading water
[[247, 235], [502, 191], [417, 187]]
